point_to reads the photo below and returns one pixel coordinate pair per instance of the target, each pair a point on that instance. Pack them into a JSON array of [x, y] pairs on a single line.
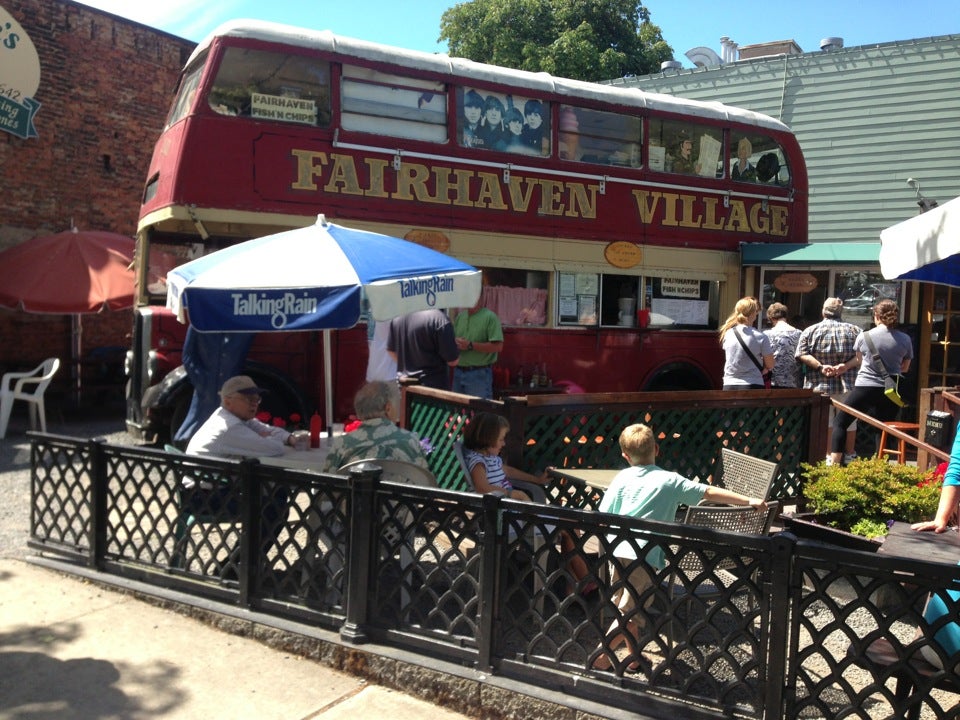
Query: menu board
[[577, 298], [680, 301]]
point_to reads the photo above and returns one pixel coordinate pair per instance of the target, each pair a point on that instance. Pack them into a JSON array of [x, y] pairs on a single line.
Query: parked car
[[870, 297]]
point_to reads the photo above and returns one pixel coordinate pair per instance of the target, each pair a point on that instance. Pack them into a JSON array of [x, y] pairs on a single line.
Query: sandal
[[589, 590], [602, 662]]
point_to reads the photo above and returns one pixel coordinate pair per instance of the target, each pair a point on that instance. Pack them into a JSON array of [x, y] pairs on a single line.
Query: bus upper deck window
[[505, 122], [757, 159], [183, 102], [688, 148], [604, 138], [274, 86]]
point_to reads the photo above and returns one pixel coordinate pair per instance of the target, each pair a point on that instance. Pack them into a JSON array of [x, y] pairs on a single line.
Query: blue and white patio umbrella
[[925, 248], [313, 278]]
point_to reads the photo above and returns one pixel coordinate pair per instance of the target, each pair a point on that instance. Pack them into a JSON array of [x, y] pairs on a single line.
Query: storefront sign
[[622, 254], [795, 282], [19, 78]]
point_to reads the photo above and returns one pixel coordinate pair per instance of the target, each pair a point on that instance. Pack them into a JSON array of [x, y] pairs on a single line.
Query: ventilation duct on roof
[[703, 57], [831, 43]]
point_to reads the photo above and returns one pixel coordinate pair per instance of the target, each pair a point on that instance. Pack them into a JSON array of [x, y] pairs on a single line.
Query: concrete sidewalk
[[74, 649]]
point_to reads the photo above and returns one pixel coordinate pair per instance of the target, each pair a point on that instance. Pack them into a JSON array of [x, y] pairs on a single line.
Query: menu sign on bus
[[316, 172]]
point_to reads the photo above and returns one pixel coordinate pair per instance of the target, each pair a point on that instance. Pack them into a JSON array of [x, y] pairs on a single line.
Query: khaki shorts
[[637, 581]]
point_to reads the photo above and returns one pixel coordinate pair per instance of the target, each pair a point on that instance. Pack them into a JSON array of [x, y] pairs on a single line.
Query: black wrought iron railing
[[766, 627]]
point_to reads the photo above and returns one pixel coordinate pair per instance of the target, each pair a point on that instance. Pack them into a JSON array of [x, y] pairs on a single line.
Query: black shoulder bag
[[767, 383], [890, 382]]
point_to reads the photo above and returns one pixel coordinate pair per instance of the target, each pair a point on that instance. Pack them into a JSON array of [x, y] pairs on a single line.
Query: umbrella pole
[[76, 343], [327, 377]]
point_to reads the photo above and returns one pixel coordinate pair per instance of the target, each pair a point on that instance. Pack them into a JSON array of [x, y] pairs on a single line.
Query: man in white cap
[[825, 349], [233, 430]]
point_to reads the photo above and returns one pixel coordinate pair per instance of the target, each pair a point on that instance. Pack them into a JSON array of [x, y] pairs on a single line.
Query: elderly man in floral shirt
[[377, 405]]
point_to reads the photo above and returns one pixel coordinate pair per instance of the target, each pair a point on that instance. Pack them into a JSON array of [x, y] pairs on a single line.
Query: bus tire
[[678, 376]]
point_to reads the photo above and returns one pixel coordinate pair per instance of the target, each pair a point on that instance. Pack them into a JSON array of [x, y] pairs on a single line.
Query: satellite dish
[[703, 57]]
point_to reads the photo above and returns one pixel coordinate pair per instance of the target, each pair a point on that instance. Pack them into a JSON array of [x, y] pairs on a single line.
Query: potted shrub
[[857, 500]]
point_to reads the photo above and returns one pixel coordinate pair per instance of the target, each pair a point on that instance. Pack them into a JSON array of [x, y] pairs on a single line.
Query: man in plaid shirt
[[823, 348]]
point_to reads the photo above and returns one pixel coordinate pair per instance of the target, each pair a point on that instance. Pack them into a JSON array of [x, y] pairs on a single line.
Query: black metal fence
[[765, 627]]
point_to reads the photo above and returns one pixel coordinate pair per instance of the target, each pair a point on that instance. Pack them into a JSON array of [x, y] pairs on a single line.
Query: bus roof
[[441, 64]]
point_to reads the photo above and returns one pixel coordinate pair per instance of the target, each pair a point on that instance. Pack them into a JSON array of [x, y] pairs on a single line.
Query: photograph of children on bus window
[[604, 138], [507, 123], [757, 159]]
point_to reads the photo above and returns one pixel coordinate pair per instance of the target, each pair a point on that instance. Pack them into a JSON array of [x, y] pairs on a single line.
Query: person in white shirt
[[233, 430]]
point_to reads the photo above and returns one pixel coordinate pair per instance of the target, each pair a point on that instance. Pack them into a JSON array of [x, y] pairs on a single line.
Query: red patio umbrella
[[70, 273]]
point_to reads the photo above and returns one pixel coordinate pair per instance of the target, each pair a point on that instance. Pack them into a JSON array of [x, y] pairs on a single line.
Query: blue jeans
[[474, 381]]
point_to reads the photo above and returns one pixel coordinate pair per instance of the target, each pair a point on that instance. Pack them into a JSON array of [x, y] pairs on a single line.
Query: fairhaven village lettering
[[462, 187]]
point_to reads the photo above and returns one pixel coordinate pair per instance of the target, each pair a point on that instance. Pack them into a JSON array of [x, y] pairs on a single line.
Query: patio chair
[[326, 524], [693, 576], [745, 474], [17, 386], [188, 516], [536, 492], [535, 542]]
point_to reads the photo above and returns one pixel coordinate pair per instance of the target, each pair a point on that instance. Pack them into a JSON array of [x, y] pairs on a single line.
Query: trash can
[[939, 429]]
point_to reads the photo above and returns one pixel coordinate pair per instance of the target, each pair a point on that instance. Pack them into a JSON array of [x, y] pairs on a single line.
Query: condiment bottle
[[316, 423]]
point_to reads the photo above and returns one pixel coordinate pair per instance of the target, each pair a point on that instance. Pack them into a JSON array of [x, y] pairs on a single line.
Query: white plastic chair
[[17, 386]]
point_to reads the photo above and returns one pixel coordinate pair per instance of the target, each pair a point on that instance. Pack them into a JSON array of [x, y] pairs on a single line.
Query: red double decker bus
[[607, 221]]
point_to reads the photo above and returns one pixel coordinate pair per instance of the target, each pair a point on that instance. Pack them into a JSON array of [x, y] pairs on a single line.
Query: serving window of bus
[[517, 297], [613, 300], [278, 86]]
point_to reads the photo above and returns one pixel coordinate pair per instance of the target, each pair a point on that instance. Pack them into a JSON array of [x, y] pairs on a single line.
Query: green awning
[[820, 253]]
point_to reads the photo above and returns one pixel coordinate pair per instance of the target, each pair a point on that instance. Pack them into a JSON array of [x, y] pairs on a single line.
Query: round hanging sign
[[432, 239], [795, 282], [623, 254]]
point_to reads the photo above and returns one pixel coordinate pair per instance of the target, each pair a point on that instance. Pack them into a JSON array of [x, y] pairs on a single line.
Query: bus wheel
[[678, 376]]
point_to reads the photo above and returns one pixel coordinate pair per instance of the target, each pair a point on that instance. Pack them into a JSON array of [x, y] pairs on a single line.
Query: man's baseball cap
[[242, 384], [832, 307]]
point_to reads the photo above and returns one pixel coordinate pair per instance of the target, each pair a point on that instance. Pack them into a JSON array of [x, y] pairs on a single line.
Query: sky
[[685, 24]]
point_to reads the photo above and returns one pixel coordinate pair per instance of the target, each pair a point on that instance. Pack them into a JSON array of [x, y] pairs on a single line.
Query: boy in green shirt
[[647, 491]]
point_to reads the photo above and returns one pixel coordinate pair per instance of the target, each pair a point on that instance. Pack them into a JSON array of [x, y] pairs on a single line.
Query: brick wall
[[105, 87]]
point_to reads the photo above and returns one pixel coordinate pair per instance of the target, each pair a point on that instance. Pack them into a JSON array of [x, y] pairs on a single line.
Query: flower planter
[[807, 527]]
